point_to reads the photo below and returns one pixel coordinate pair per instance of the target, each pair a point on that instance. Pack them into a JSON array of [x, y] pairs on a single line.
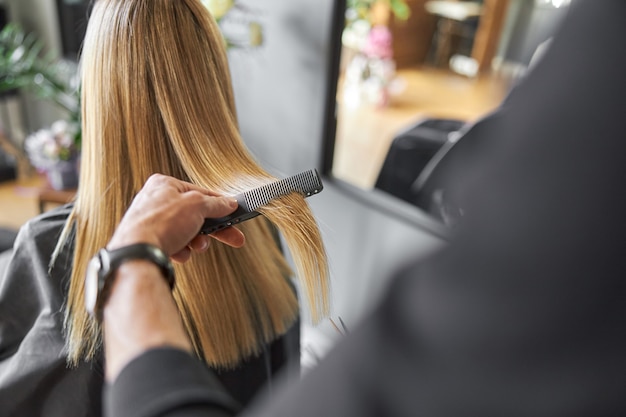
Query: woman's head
[[157, 98], [157, 93]]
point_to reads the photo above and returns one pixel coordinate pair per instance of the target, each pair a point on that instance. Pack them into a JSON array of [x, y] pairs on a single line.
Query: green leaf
[[400, 9], [24, 66]]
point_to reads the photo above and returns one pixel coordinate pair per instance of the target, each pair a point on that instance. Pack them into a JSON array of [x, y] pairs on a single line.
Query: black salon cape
[[34, 378], [524, 313]]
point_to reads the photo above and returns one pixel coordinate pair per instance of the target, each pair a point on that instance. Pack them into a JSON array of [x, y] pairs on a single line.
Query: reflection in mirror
[[414, 72]]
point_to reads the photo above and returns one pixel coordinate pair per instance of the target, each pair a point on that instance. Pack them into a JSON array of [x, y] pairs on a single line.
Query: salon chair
[[410, 151]]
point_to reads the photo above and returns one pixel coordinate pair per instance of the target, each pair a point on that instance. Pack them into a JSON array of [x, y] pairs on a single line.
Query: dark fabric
[[278, 358], [202, 389], [524, 313], [455, 161], [410, 151], [7, 237], [8, 170], [34, 378]]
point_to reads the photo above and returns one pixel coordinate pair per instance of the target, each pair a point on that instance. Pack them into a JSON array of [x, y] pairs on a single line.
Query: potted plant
[[24, 67], [56, 152], [369, 67]]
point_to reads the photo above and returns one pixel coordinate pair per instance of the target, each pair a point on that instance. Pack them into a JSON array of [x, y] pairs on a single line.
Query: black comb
[[306, 183]]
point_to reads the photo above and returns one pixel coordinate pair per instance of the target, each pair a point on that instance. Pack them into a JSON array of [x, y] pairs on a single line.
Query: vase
[[63, 175]]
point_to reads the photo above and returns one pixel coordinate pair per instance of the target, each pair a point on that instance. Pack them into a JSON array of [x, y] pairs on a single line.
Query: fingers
[[200, 243], [160, 180], [214, 206], [168, 213], [230, 236], [181, 256]]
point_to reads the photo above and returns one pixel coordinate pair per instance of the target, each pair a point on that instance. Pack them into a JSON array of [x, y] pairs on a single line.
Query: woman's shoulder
[[37, 239], [34, 294], [29, 268], [46, 226]]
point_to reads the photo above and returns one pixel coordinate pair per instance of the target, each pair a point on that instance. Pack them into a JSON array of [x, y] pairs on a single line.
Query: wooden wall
[[412, 38]]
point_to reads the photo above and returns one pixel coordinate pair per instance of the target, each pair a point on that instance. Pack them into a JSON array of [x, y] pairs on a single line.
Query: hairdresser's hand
[[140, 313], [169, 213]]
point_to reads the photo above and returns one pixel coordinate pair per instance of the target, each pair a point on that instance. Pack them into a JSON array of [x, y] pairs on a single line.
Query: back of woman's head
[[157, 94], [157, 97]]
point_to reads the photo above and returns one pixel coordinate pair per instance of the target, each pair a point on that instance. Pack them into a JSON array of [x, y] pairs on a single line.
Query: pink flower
[[378, 43]]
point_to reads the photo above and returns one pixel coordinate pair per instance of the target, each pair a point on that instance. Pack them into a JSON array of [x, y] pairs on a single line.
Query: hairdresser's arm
[[143, 330]]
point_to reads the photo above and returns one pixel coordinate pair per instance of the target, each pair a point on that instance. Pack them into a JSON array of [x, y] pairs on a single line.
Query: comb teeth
[[306, 183]]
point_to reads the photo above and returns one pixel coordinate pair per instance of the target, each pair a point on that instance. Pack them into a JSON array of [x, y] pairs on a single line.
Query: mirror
[[413, 72]]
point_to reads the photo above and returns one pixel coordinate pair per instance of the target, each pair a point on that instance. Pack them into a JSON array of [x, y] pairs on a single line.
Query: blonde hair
[[157, 98]]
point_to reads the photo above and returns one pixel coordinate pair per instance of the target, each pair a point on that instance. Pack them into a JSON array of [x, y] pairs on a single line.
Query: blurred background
[[366, 91]]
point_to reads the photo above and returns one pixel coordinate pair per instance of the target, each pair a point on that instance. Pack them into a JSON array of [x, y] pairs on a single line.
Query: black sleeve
[[170, 382]]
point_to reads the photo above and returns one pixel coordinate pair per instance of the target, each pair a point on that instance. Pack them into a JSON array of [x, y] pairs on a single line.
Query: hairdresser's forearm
[[139, 315], [149, 369], [149, 366]]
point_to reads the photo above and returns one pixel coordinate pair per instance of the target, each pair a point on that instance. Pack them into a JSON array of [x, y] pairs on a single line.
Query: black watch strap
[[111, 260]]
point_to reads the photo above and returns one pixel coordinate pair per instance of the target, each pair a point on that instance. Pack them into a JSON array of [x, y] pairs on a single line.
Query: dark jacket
[[34, 377]]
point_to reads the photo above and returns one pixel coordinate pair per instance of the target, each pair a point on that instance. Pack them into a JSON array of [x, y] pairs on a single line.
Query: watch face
[[91, 283]]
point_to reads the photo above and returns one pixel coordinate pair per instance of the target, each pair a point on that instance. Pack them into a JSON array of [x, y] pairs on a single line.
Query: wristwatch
[[102, 267]]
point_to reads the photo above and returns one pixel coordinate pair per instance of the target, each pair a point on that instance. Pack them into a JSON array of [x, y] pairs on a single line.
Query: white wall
[[366, 246], [280, 91]]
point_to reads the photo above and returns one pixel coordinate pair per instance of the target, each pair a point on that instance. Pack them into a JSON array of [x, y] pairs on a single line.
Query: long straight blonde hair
[[157, 98]]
